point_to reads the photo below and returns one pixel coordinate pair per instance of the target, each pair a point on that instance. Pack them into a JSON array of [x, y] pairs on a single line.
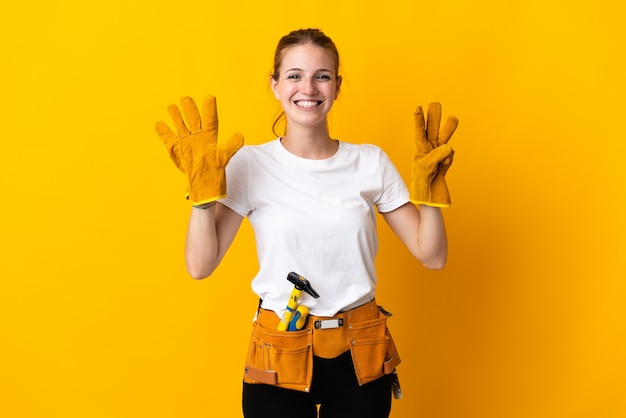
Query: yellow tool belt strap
[[331, 336]]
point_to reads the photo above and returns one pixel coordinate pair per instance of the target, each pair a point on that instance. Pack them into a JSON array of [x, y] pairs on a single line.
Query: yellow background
[[98, 317]]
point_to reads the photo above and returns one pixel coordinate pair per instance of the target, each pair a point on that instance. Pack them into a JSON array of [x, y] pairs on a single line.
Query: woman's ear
[[338, 89], [274, 86]]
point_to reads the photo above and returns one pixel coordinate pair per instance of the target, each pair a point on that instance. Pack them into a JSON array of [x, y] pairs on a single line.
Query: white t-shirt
[[315, 218]]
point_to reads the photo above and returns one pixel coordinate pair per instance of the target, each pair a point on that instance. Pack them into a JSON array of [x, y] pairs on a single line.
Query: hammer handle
[[291, 307]]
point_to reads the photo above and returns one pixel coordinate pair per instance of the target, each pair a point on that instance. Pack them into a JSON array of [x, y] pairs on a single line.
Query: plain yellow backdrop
[[98, 317]]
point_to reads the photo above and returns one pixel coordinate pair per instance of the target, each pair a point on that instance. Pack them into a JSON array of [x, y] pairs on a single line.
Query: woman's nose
[[309, 86]]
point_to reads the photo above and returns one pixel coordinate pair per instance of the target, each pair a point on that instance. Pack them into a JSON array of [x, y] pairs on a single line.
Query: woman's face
[[307, 85]]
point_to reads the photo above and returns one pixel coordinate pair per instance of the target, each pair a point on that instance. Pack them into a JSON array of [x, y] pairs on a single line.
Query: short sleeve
[[237, 183], [394, 191]]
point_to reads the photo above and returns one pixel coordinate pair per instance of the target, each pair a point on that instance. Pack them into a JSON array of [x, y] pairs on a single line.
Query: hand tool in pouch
[[395, 385], [296, 315], [298, 318]]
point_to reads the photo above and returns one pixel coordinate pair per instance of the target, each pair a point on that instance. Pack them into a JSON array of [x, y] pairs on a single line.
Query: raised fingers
[[165, 133], [421, 143], [177, 119], [432, 123], [209, 115], [227, 149], [192, 116], [448, 129]]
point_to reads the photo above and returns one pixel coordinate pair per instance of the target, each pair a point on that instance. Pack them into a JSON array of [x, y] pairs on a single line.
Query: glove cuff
[[431, 204], [203, 202], [209, 187]]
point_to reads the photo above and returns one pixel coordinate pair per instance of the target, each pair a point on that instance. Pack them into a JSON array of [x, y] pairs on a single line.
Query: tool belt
[[285, 358]]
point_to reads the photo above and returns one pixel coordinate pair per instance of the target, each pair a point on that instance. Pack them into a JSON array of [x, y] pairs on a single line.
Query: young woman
[[311, 200]]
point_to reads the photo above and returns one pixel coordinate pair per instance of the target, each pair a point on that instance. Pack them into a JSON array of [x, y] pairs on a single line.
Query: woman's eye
[[293, 77], [323, 77]]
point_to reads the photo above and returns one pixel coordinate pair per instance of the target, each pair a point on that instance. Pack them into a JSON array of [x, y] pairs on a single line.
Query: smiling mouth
[[308, 104]]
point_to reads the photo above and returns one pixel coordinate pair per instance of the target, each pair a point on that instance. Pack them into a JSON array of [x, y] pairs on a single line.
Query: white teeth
[[307, 103]]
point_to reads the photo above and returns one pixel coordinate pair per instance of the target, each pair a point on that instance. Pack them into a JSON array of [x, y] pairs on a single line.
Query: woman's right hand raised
[[195, 149]]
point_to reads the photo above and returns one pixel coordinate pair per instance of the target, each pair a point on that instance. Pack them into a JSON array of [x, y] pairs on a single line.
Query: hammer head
[[302, 284]]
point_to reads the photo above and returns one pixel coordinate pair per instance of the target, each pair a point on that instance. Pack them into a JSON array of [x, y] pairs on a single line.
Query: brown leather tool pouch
[[279, 358], [374, 353], [285, 358]]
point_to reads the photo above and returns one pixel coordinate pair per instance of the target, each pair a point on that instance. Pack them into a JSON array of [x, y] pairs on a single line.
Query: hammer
[[300, 284]]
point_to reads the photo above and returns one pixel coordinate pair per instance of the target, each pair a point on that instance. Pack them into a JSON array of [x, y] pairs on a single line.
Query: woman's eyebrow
[[300, 69]]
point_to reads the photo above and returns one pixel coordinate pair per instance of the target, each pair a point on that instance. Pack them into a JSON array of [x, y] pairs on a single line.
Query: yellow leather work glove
[[195, 149], [432, 157]]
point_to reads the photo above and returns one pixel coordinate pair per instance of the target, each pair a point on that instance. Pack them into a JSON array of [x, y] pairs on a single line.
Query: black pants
[[335, 388]]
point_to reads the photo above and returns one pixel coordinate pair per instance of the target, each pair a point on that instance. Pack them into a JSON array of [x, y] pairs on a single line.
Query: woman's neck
[[310, 144]]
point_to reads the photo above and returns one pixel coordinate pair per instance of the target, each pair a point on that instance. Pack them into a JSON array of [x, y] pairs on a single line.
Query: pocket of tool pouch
[[368, 344], [286, 355]]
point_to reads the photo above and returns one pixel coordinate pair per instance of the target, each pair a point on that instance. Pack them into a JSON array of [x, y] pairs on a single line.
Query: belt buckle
[[329, 323]]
